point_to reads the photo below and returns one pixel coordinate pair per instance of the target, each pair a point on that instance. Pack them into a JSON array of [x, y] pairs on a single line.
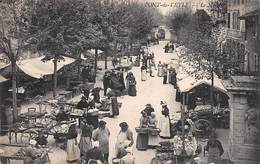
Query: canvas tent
[[36, 68], [191, 82], [2, 79]]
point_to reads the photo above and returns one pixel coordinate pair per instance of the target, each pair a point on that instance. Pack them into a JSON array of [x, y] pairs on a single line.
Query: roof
[[191, 82], [36, 68], [250, 14], [2, 79]]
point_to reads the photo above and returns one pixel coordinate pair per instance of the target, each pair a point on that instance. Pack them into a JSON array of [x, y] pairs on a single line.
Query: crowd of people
[[94, 134], [94, 144]]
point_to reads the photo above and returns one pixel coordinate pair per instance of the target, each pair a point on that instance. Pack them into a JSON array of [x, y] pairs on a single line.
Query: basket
[[141, 130], [93, 112], [154, 132]]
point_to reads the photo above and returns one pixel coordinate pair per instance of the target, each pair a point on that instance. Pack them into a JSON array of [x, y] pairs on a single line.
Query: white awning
[[36, 68], [2, 79], [191, 82]]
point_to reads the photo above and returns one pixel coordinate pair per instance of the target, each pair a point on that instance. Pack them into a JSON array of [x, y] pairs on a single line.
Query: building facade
[[243, 42], [243, 34]]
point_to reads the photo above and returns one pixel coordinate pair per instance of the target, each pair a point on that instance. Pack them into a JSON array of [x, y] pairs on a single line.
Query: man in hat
[[102, 136], [214, 149], [124, 139], [148, 109]]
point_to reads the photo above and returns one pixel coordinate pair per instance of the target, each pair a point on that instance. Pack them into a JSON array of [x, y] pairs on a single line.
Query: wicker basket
[[141, 130]]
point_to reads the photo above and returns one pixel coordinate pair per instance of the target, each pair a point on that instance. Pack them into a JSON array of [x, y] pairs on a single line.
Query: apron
[[121, 138]]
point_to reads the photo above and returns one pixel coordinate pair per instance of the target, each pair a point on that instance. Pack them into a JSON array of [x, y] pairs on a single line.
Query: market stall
[[195, 96], [173, 151], [23, 153], [125, 63]]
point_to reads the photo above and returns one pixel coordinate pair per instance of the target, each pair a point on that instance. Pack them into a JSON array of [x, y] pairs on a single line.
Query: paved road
[[151, 91]]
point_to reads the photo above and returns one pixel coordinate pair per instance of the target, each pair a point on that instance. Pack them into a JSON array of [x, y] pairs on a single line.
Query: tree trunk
[[55, 75], [95, 66], [105, 53], [78, 66], [212, 90], [183, 123], [14, 104]]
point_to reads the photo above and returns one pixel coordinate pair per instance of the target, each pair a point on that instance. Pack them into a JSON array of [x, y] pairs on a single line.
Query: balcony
[[235, 34]]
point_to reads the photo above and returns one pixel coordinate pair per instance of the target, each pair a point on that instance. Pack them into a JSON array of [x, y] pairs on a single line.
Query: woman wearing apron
[[124, 139], [143, 73], [160, 69]]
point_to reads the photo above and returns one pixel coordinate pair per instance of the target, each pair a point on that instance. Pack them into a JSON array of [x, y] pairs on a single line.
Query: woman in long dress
[[164, 123], [131, 85], [143, 73], [160, 69], [72, 145], [142, 138], [152, 68], [153, 139], [85, 143]]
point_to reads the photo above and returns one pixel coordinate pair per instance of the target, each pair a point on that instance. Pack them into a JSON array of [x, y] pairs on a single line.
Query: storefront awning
[[36, 68], [191, 82], [250, 14], [2, 79]]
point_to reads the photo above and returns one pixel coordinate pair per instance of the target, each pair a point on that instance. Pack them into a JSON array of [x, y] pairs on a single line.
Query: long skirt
[[164, 126], [153, 71], [143, 75], [114, 104], [170, 78], [142, 141], [85, 145], [160, 72], [153, 140], [132, 90], [72, 150]]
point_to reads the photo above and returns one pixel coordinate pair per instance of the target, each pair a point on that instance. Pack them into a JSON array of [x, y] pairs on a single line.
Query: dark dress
[[106, 83], [142, 138], [114, 103], [121, 80], [132, 87], [95, 93], [82, 104]]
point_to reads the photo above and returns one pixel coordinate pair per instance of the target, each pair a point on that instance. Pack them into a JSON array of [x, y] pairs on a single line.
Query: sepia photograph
[[129, 82]]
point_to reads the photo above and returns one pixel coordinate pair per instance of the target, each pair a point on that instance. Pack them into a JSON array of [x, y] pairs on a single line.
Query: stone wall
[[242, 150]]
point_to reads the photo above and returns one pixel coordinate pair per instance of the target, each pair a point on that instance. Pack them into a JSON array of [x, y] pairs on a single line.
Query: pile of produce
[[61, 129], [190, 145], [165, 147], [165, 156]]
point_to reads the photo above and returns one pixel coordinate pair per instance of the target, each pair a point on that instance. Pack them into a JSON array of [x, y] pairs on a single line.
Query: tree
[[207, 55], [218, 8], [178, 19], [12, 38], [61, 27]]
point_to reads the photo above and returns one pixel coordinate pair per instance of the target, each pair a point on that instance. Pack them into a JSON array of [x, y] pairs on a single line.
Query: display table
[[16, 152]]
